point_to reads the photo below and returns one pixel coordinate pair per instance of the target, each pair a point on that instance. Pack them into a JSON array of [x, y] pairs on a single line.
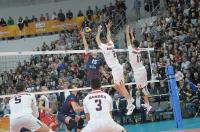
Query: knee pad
[[71, 125], [80, 123], [145, 91]]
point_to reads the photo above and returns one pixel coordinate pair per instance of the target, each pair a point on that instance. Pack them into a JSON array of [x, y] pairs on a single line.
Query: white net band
[[78, 89], [61, 52]]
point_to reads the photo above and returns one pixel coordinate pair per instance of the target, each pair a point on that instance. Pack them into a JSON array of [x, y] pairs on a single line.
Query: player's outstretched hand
[[99, 28], [109, 24]]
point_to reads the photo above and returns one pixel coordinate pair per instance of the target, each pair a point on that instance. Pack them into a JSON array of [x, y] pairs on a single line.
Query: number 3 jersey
[[98, 104], [109, 55], [23, 104], [135, 58]]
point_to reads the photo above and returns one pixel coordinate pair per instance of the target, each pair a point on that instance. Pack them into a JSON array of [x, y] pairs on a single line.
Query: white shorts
[[27, 121], [118, 74], [140, 76], [105, 125]]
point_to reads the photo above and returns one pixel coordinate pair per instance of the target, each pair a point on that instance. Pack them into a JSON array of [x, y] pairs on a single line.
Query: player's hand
[[109, 25], [99, 28], [77, 118]]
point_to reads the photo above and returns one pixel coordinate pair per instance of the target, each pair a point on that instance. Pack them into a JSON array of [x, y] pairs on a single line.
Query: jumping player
[[98, 108], [140, 73], [117, 70], [68, 112], [24, 112], [93, 63]]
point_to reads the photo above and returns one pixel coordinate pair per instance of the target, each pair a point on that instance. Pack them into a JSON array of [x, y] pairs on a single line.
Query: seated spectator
[[47, 16], [3, 22], [153, 90], [54, 16], [10, 21], [26, 21], [42, 18], [80, 13], [33, 19], [61, 16], [69, 14], [20, 23], [89, 12], [119, 108], [139, 106]]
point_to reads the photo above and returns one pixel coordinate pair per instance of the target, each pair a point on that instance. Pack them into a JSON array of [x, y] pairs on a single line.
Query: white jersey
[[98, 104], [109, 55], [135, 58], [23, 104]]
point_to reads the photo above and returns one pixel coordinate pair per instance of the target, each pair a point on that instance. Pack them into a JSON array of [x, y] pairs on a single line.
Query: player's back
[[135, 58], [98, 104], [21, 104]]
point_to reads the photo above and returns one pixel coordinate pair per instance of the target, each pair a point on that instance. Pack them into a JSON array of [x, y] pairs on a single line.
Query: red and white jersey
[[23, 104], [98, 104], [135, 58], [109, 55]]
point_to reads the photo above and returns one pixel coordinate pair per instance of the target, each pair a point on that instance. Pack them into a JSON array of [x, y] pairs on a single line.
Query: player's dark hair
[[136, 43], [95, 83], [20, 87]]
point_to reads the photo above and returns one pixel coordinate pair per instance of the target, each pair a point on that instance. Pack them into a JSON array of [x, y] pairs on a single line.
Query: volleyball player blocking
[[117, 69], [140, 73]]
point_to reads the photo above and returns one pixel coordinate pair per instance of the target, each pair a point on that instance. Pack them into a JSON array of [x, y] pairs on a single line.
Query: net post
[[174, 97]]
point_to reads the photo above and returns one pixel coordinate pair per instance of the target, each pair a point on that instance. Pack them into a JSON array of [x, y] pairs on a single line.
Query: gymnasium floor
[[190, 125]]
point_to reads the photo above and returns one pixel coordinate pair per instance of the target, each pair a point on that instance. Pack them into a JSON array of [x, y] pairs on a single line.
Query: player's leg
[[146, 99], [15, 125], [118, 76]]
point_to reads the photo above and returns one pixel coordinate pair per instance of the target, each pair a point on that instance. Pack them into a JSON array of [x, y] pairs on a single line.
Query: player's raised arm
[[98, 40], [108, 26], [128, 40], [34, 106], [132, 36], [84, 41]]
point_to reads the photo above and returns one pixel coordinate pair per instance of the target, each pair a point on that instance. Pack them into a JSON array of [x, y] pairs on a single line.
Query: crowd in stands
[[175, 37], [178, 33]]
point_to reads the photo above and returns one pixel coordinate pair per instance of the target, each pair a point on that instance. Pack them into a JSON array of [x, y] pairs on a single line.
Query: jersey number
[[138, 58], [18, 99], [99, 106], [114, 54]]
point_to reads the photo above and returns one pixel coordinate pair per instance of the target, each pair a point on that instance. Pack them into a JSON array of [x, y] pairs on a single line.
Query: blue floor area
[[163, 126]]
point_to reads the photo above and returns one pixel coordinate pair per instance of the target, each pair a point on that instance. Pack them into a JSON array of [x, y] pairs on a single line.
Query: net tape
[[61, 52], [78, 89]]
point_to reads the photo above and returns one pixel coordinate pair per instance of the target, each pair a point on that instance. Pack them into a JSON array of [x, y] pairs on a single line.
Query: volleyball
[[87, 29]]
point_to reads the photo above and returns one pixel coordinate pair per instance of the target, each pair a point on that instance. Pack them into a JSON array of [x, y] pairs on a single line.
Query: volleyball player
[[68, 113], [24, 112], [117, 69], [98, 108], [140, 73], [93, 63]]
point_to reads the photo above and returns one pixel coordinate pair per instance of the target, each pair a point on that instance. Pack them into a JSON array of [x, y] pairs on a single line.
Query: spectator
[[80, 13], [3, 22], [26, 21], [119, 108], [20, 23], [54, 16], [10, 21], [153, 90], [42, 18], [89, 12], [33, 19], [139, 107], [61, 16], [69, 14], [47, 16]]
